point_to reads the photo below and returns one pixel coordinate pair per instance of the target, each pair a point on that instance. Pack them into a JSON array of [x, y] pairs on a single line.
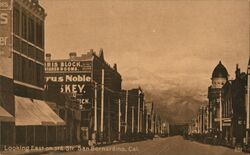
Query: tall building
[[97, 87], [228, 105], [135, 111], [215, 97], [22, 71], [248, 104]]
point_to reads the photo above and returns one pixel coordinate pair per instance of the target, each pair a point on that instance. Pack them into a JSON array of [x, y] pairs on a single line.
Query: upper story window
[[31, 30], [16, 23], [24, 26], [39, 34]]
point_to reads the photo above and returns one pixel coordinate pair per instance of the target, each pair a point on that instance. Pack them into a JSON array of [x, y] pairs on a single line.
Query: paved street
[[164, 146], [159, 146]]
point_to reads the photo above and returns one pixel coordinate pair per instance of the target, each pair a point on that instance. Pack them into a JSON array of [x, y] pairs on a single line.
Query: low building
[[202, 120]]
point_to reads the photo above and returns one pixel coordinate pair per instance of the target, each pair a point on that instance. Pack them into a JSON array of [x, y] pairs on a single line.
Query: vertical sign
[[6, 67]]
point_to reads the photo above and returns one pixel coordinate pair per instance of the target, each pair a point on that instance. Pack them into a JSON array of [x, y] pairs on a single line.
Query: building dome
[[220, 71]]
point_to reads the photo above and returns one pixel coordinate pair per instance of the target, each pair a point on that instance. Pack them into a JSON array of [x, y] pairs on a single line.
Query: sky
[[169, 48]]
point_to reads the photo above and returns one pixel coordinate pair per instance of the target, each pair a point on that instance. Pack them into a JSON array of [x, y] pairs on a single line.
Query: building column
[[34, 128], [46, 134], [26, 136]]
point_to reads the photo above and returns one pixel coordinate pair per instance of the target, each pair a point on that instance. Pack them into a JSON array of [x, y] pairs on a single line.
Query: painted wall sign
[[68, 66], [76, 83], [6, 68]]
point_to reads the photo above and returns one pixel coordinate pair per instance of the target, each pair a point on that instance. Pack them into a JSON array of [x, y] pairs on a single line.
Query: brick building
[[96, 86], [227, 106], [22, 73]]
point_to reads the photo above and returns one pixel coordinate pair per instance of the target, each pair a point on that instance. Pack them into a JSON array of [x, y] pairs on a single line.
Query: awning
[[44, 108], [35, 112], [5, 116]]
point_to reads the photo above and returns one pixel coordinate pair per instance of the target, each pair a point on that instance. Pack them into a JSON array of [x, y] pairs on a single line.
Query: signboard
[[71, 82], [74, 83], [226, 124], [6, 68], [85, 133], [68, 66]]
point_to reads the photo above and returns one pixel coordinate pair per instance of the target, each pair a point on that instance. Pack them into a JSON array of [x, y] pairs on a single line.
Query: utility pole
[[198, 123], [119, 120], [146, 123], [152, 122], [248, 100], [248, 94], [142, 117], [95, 114], [102, 105], [155, 124], [138, 121], [220, 113], [133, 116], [207, 119], [126, 113], [109, 120]]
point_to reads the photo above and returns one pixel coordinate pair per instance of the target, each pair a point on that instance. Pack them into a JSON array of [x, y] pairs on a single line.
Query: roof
[[220, 71], [35, 112], [5, 116]]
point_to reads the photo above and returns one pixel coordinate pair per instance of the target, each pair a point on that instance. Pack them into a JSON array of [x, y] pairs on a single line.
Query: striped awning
[[5, 116], [35, 112]]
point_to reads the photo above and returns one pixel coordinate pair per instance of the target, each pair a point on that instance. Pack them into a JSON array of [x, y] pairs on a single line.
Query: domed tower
[[219, 76]]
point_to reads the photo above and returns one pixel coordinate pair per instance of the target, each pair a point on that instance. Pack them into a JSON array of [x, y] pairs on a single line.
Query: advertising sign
[[6, 68], [68, 66], [75, 83]]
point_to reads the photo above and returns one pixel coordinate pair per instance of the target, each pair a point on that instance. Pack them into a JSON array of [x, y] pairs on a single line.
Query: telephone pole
[[102, 105]]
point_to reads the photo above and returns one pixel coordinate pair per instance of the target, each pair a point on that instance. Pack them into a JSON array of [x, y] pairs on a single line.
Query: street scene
[[161, 146], [124, 77], [158, 146]]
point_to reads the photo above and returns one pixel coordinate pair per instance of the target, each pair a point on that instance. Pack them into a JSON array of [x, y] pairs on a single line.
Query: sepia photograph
[[125, 77]]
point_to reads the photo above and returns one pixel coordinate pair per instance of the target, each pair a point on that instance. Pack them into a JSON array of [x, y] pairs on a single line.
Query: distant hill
[[175, 99]]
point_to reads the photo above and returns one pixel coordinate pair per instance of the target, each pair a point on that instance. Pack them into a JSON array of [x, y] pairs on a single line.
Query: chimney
[[101, 55], [115, 67], [35, 1], [48, 57], [237, 72], [72, 55]]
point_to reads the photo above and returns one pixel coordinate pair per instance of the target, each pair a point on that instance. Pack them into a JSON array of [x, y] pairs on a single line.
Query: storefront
[[37, 124], [6, 127]]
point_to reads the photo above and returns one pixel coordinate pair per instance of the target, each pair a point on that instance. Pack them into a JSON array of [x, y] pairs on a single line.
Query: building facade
[[215, 97], [96, 86], [22, 73], [228, 106]]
